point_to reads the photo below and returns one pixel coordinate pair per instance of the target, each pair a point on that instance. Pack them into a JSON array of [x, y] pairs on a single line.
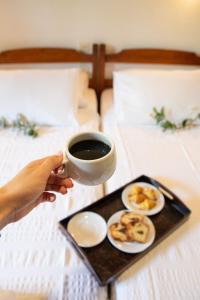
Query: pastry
[[130, 217], [144, 197], [137, 198], [136, 190], [149, 193], [147, 204], [137, 232], [131, 228], [118, 232]]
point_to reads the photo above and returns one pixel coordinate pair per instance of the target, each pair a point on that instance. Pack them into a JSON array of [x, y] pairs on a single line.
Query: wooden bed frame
[[54, 55], [142, 56], [98, 58]]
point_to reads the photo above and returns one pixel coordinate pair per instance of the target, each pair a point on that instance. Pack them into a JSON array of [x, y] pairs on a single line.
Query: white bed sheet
[[34, 256], [171, 270]]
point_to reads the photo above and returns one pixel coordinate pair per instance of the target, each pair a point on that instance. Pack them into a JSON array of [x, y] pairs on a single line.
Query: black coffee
[[89, 149]]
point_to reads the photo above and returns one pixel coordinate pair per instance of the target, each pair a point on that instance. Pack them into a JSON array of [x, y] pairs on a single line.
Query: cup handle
[[63, 170]]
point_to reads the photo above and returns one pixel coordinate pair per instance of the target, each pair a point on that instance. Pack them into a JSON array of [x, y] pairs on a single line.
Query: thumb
[[52, 162]]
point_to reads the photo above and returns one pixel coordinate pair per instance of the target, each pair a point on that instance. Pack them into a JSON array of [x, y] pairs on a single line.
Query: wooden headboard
[[142, 56], [53, 55]]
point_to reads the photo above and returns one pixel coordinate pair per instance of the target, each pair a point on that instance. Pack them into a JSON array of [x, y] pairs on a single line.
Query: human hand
[[31, 186]]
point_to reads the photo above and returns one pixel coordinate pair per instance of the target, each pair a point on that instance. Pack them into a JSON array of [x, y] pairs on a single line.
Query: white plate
[[135, 207], [87, 228], [131, 247]]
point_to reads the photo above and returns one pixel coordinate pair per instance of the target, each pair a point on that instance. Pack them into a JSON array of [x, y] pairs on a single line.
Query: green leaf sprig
[[165, 124], [21, 123]]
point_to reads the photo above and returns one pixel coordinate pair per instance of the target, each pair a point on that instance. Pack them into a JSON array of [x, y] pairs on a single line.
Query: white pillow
[[46, 96], [136, 92], [83, 88]]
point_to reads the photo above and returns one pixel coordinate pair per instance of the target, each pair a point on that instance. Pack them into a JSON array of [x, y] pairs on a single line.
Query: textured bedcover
[[172, 269], [34, 256]]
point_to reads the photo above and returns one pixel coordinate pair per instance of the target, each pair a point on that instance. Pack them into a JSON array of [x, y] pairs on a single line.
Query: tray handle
[[176, 202]]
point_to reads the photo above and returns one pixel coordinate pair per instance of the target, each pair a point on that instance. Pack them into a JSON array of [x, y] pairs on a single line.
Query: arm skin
[[31, 186]]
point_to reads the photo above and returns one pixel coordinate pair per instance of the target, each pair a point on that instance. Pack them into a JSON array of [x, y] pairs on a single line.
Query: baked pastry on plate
[[138, 233], [130, 232], [118, 232], [130, 217], [143, 198]]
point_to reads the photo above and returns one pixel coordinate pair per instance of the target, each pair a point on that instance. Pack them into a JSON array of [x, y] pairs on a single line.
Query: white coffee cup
[[89, 172]]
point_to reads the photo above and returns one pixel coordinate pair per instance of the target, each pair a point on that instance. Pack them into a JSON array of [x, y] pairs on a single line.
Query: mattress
[[35, 257], [171, 270]]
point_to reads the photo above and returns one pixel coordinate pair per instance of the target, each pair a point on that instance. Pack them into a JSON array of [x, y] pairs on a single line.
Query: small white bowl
[[87, 228]]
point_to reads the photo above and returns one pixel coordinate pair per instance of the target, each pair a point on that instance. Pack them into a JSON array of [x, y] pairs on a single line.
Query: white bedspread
[[172, 269], [34, 256]]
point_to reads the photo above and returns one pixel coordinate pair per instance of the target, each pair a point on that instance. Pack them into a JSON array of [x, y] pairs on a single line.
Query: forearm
[[5, 210]]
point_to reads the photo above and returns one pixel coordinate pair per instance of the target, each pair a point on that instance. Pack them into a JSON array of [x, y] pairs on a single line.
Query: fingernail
[[60, 171], [52, 198], [70, 182]]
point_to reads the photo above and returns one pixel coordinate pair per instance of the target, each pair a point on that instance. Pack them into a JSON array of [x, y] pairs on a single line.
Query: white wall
[[119, 23]]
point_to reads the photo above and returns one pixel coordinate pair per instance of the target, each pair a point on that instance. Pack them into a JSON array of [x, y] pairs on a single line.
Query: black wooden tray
[[105, 261]]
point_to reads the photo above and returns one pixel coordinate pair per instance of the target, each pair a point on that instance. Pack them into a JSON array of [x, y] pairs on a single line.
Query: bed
[[36, 261], [171, 270]]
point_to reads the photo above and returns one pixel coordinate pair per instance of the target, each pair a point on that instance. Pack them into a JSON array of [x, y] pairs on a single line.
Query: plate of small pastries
[[143, 198], [130, 232]]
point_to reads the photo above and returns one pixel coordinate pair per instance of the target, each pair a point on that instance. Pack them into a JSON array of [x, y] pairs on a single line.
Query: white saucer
[[135, 207], [131, 247], [87, 228]]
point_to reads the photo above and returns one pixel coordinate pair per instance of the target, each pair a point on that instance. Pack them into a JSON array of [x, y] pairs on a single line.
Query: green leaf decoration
[[21, 123], [4, 123], [168, 125], [165, 124], [158, 115], [184, 123]]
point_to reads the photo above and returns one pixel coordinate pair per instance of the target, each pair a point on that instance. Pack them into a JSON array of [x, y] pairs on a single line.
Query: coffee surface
[[89, 149]]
